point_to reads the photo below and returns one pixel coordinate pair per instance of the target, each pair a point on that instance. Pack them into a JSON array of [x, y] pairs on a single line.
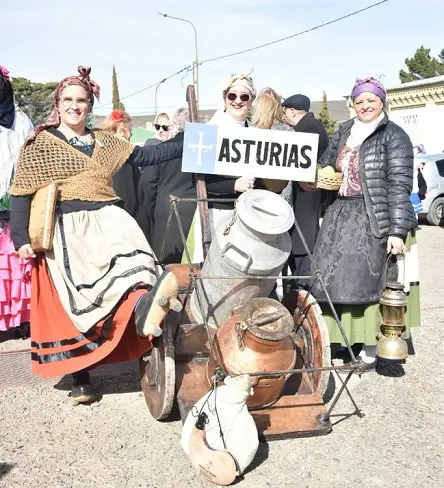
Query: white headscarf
[[243, 80], [361, 130]]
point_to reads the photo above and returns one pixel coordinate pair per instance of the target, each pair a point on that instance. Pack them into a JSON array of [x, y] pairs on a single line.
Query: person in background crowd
[[297, 114], [370, 224], [163, 129], [171, 181], [15, 273], [419, 149], [307, 204], [118, 122], [414, 197], [126, 180], [91, 293], [149, 180], [422, 184], [238, 94], [267, 113], [419, 189]]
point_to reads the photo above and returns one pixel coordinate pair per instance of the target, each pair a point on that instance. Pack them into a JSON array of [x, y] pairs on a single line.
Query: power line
[[215, 70], [189, 67], [356, 12], [140, 107]]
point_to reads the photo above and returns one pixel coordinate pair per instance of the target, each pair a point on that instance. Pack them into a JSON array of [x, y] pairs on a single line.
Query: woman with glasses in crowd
[[171, 181], [162, 127], [238, 95], [91, 300], [149, 180]]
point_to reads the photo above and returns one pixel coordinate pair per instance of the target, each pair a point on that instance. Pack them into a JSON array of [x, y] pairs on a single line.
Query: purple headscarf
[[368, 85]]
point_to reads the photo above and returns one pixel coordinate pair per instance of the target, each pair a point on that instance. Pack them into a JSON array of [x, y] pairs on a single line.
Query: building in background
[[418, 107]]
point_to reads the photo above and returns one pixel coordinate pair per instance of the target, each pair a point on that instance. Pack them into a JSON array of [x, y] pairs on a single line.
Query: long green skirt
[[362, 322]]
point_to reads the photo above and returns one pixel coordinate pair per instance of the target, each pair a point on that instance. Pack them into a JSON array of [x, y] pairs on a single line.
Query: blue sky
[[47, 40]]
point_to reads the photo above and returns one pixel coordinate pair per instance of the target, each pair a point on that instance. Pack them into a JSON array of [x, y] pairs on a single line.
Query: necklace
[[70, 134], [86, 141]]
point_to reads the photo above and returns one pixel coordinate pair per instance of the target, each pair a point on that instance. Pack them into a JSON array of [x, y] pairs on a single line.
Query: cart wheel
[[157, 370], [312, 339]]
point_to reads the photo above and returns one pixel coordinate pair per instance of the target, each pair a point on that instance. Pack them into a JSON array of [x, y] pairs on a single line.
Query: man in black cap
[[296, 110], [306, 204]]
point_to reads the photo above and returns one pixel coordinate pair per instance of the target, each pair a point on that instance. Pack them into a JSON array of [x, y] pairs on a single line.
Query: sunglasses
[[164, 127], [243, 98]]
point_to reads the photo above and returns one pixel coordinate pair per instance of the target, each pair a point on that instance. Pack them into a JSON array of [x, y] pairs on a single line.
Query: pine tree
[[422, 65], [324, 116], [117, 104], [35, 99]]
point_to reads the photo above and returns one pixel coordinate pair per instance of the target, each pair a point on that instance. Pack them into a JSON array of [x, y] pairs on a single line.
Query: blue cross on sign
[[199, 148]]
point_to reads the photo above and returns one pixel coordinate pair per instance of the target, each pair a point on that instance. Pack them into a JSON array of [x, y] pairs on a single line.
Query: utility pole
[[196, 60]]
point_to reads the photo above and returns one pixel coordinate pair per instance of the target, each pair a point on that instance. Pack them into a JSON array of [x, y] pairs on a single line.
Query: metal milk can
[[248, 245]]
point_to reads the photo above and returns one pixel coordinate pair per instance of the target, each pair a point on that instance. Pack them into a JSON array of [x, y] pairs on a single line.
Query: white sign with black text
[[245, 151]]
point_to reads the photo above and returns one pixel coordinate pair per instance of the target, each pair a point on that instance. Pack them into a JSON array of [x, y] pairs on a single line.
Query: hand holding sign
[[244, 183]]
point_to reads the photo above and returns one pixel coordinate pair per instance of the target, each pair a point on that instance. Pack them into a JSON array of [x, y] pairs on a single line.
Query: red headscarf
[[91, 87]]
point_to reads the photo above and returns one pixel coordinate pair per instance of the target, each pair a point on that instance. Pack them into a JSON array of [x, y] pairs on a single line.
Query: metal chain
[[232, 221]]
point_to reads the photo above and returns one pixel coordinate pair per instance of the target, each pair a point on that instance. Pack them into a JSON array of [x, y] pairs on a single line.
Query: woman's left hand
[[395, 245]]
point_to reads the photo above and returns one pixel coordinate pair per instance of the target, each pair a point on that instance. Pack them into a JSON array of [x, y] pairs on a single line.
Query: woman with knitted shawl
[[92, 294], [15, 273]]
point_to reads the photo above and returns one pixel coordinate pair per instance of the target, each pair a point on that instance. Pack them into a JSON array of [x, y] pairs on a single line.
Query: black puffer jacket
[[386, 170]]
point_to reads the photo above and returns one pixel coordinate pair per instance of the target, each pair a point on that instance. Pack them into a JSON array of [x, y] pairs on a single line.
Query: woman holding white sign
[[371, 224], [238, 95]]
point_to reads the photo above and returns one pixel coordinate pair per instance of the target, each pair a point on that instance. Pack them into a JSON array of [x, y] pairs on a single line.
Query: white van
[[433, 172]]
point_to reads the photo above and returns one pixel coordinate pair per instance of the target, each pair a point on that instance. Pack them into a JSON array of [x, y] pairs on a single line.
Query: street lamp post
[[155, 95], [196, 61]]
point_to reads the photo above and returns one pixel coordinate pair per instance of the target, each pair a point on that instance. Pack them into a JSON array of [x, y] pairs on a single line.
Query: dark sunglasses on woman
[[243, 98], [164, 127]]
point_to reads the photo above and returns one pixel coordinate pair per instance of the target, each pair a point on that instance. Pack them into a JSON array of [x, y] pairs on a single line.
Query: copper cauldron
[[257, 339]]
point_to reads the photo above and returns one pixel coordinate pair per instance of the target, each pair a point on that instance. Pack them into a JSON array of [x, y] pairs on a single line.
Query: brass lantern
[[390, 343]]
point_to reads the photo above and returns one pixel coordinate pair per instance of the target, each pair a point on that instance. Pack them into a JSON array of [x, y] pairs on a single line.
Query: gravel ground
[[398, 443]]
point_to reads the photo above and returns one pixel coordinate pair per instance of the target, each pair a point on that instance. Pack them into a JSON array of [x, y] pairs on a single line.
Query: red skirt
[[58, 348]]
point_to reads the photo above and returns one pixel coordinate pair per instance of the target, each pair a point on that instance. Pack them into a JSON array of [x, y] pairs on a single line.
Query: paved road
[[44, 441]]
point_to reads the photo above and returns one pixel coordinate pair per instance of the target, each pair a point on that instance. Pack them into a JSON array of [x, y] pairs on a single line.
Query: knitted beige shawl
[[49, 159]]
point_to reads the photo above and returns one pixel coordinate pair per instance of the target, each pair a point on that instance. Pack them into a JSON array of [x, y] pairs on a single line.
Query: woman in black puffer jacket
[[369, 230]]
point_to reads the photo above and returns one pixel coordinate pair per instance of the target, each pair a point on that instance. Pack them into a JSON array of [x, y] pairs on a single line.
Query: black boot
[[82, 390]]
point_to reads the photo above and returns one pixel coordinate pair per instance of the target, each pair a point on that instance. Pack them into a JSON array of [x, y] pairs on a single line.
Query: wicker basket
[[329, 182]]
